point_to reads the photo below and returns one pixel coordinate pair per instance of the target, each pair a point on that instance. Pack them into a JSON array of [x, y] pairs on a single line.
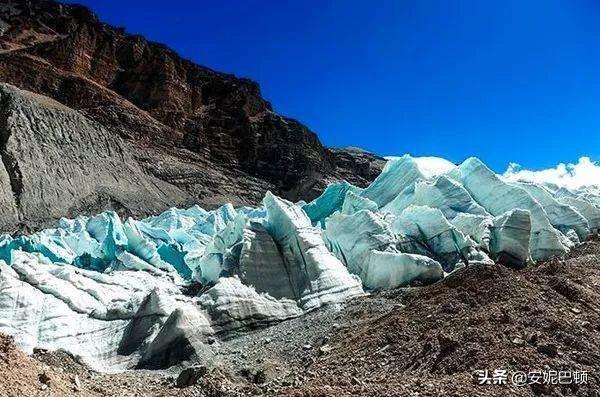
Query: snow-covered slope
[[153, 292]]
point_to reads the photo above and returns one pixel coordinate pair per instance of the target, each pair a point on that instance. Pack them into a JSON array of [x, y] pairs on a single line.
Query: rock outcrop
[[57, 162], [196, 134]]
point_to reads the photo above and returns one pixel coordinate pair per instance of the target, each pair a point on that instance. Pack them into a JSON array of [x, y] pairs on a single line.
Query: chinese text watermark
[[521, 378]]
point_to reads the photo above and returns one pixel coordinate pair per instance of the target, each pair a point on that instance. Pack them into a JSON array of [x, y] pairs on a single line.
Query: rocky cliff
[[56, 162], [191, 134]]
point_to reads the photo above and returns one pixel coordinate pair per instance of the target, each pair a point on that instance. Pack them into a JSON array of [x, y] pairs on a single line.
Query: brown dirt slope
[[22, 375], [58, 374], [542, 318]]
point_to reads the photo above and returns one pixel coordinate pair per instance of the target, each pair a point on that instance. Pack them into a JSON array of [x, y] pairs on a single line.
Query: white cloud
[[572, 176]]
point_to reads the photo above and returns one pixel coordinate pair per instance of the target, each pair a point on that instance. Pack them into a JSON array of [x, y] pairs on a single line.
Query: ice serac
[[149, 293], [56, 306], [398, 174], [221, 255], [181, 338], [316, 275], [425, 231], [442, 193], [511, 236], [146, 322], [143, 248], [234, 306], [330, 201], [498, 197], [478, 227], [586, 208], [562, 216], [389, 270], [262, 266], [353, 202], [591, 194], [431, 166], [365, 243]]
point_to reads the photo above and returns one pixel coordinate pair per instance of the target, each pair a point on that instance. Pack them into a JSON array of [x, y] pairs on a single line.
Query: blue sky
[[506, 81]]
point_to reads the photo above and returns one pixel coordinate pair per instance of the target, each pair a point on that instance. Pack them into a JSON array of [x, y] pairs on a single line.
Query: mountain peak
[[202, 132]]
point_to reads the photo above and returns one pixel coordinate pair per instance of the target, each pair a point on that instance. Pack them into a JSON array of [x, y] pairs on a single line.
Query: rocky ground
[[420, 340]]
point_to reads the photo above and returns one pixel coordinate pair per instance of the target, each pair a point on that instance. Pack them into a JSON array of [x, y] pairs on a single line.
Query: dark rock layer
[[209, 136]]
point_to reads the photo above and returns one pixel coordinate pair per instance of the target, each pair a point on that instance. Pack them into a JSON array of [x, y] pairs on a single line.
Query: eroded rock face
[[203, 136], [57, 162]]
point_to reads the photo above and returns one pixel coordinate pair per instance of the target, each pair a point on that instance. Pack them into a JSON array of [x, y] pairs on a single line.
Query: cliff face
[[207, 134], [56, 162]]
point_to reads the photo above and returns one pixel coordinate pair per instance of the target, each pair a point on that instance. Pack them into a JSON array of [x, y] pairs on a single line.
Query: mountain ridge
[[202, 131]]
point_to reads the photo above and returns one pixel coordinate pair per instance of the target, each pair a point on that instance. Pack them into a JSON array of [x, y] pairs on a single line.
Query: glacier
[[152, 293]]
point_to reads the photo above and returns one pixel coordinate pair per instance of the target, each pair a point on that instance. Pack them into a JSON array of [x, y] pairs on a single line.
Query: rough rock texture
[[208, 137], [25, 376], [59, 163], [483, 317]]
